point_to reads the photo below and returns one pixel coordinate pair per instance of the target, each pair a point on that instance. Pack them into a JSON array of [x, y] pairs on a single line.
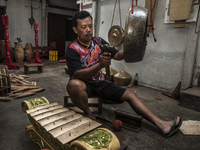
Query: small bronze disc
[[116, 35]]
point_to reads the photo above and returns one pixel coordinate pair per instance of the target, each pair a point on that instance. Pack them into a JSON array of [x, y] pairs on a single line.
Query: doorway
[[2, 12], [60, 30]]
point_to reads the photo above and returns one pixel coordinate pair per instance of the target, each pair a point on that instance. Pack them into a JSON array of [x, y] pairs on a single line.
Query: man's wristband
[[100, 65]]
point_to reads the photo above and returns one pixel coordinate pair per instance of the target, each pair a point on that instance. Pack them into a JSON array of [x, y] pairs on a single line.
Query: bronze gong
[[135, 34], [115, 36]]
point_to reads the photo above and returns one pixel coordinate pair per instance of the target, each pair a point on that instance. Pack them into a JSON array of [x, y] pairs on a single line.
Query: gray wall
[[166, 62], [18, 14], [174, 57], [19, 11]]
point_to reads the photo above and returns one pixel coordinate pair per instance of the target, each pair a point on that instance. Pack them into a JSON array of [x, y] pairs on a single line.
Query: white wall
[[163, 63], [18, 14], [166, 62], [2, 3], [196, 76]]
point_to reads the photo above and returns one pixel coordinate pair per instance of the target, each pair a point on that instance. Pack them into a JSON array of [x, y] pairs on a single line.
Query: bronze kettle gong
[[135, 34]]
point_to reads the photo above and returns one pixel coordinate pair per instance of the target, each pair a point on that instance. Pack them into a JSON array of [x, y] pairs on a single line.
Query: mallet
[[116, 124]]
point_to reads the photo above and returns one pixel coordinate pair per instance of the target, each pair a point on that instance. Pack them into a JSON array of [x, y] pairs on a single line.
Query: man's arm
[[86, 73], [119, 55]]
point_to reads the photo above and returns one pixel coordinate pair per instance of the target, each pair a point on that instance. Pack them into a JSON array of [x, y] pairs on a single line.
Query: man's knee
[[75, 85], [128, 95]]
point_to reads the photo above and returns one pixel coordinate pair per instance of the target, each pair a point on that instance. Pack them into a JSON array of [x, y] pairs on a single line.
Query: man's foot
[[88, 115], [171, 127]]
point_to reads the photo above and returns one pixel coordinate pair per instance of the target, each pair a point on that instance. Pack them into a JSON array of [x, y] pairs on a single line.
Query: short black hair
[[80, 15]]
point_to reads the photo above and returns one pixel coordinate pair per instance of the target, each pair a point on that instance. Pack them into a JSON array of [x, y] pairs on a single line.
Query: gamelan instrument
[[134, 36], [115, 35], [57, 128]]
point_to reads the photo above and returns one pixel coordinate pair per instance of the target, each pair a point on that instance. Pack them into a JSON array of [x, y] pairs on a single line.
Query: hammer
[[107, 48]]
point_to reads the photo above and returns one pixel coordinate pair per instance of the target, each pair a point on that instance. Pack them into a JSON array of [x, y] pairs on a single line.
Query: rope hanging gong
[[151, 25], [115, 34]]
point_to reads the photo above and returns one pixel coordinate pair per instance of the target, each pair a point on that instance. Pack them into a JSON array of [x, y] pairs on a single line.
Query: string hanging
[[151, 27], [114, 13], [133, 6], [81, 5]]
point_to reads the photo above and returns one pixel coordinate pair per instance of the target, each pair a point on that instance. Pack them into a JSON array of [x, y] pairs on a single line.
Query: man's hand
[[105, 59], [107, 48]]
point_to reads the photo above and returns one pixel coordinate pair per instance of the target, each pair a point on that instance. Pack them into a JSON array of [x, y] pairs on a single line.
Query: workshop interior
[[161, 45]]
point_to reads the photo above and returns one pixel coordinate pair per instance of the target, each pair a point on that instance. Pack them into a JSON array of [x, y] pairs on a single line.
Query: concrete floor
[[54, 79]]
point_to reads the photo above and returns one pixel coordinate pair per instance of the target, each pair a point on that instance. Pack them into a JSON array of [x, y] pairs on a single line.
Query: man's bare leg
[[77, 91], [139, 107]]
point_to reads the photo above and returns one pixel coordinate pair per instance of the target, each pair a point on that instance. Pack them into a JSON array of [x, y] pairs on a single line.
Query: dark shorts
[[105, 89]]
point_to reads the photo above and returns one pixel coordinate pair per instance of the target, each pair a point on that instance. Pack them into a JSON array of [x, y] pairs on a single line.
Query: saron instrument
[[135, 34], [57, 128]]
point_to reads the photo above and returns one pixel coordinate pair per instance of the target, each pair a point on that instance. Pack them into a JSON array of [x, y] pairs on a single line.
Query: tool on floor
[[130, 121], [55, 127], [116, 124], [176, 92]]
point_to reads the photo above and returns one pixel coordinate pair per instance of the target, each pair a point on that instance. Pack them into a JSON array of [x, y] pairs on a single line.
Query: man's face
[[84, 29]]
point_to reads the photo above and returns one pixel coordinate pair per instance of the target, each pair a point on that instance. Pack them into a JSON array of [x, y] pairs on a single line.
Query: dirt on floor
[[54, 79]]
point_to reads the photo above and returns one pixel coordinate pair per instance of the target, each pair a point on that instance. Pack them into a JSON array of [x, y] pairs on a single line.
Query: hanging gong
[[135, 34], [115, 35]]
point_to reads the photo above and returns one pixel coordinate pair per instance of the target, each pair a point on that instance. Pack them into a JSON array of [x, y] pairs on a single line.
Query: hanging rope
[[197, 18], [132, 6], [114, 13], [132, 10], [151, 27], [81, 5], [120, 14]]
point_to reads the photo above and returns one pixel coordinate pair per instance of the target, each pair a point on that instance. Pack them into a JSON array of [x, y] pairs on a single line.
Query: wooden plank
[[20, 95], [93, 100], [61, 122], [180, 24], [190, 127], [78, 110], [56, 117], [77, 132], [180, 9], [69, 126], [48, 114], [48, 109], [40, 107], [5, 99], [33, 65]]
